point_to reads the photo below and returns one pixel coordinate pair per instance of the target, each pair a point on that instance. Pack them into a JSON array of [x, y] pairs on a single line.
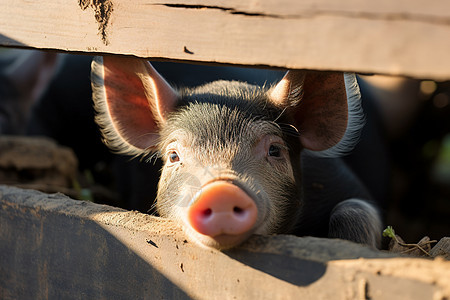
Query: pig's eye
[[173, 156], [274, 151]]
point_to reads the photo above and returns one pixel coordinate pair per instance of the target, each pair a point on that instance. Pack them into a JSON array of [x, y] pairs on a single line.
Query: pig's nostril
[[207, 212], [238, 210]]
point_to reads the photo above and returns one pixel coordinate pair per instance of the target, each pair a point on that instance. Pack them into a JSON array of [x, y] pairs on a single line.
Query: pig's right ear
[[325, 108], [132, 101]]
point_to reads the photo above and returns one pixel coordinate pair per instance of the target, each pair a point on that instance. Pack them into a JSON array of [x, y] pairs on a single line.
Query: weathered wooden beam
[[390, 37], [58, 248]]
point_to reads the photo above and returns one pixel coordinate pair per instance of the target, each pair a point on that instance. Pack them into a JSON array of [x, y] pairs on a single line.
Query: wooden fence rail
[[53, 247], [406, 37]]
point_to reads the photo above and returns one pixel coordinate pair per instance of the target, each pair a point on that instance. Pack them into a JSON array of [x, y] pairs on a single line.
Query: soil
[[102, 10], [36, 162]]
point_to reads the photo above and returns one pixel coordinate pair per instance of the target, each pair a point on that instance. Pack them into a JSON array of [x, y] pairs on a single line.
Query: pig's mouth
[[222, 215], [223, 241]]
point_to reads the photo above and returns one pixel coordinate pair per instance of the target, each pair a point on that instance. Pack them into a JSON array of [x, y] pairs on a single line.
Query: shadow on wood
[[58, 256], [300, 272], [54, 247]]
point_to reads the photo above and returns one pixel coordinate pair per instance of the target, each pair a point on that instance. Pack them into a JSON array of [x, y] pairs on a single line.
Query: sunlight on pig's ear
[[132, 101], [289, 91]]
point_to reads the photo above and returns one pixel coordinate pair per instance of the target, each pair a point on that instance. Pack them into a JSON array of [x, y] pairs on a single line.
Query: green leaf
[[389, 232]]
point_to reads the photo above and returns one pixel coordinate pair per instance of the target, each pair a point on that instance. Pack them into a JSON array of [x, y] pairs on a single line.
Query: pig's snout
[[223, 208]]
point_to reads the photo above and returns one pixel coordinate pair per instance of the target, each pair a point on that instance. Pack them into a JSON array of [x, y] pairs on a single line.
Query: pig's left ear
[[132, 102], [325, 107]]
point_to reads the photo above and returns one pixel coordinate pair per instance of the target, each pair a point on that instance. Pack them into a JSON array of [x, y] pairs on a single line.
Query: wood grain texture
[[53, 247], [400, 38]]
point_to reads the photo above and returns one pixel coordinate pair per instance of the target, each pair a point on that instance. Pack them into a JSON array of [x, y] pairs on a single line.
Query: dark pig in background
[[240, 159], [24, 76]]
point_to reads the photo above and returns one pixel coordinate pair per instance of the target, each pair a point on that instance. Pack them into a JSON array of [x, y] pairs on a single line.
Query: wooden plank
[[389, 37], [58, 248]]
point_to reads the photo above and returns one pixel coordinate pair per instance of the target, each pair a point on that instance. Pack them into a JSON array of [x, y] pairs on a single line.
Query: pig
[[240, 159], [24, 76]]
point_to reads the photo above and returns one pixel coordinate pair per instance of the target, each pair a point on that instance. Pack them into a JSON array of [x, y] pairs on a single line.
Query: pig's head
[[231, 150]]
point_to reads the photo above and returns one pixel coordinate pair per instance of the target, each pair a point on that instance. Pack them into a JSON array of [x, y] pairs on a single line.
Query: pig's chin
[[219, 242]]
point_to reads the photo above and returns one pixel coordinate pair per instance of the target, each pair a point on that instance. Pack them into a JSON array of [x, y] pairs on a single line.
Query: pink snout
[[222, 208]]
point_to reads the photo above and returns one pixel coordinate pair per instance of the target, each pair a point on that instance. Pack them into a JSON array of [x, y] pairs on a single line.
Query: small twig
[[414, 246], [389, 232]]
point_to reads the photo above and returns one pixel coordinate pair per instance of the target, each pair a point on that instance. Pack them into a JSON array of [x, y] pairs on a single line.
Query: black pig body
[[242, 159]]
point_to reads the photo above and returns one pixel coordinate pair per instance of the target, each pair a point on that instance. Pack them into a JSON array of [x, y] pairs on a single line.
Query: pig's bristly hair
[[108, 128], [355, 123]]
